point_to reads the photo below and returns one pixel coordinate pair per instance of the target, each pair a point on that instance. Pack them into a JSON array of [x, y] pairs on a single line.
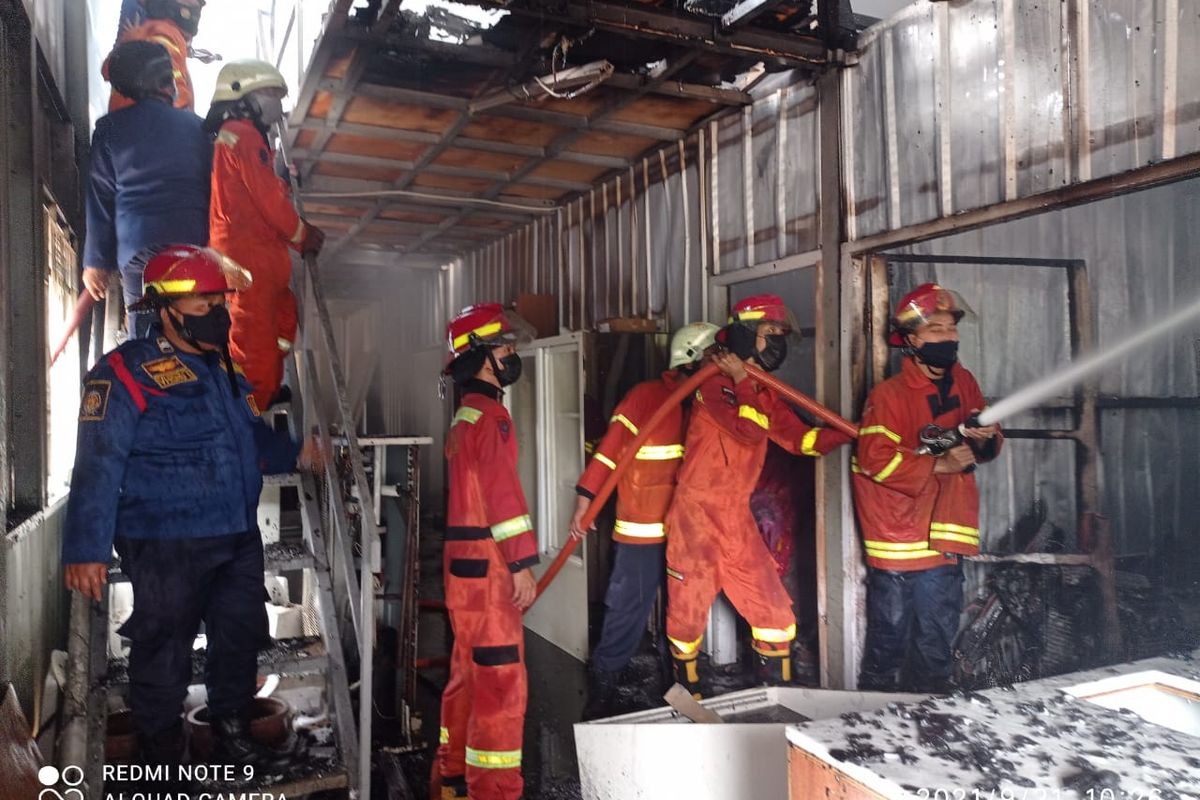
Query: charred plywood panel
[[569, 171], [540, 192], [377, 148], [386, 114], [478, 159], [467, 185], [500, 129], [612, 144], [361, 173], [667, 112]]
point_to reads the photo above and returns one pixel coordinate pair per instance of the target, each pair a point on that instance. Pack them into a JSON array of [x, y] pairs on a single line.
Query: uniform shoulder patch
[[250, 401], [95, 400], [505, 429], [168, 372]]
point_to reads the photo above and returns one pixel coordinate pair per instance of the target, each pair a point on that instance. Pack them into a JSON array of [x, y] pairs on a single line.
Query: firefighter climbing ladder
[[91, 678]]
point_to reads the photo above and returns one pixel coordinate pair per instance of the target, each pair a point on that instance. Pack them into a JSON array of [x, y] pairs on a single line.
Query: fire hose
[[683, 390]]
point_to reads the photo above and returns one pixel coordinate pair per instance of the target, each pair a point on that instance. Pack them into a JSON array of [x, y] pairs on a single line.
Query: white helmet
[[238, 78], [689, 342]]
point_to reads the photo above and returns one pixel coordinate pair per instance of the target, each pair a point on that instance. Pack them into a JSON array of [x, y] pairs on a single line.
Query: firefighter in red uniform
[[714, 544], [918, 513], [173, 24], [643, 497], [490, 547], [252, 220]]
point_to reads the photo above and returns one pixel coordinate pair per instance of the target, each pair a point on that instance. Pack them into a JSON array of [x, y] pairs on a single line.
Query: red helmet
[[916, 307], [763, 308], [486, 324], [183, 269]]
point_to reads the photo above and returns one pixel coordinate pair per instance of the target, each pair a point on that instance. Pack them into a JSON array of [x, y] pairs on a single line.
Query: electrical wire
[[425, 196]]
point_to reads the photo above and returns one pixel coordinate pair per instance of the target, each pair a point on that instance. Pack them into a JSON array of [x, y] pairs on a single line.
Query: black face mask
[[211, 328], [508, 371], [939, 355], [772, 356]]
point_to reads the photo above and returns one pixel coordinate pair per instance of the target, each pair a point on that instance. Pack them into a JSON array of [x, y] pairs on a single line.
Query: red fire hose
[[676, 397]]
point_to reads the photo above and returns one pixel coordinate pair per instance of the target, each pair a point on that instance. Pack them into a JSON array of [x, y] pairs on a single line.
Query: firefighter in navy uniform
[[490, 548], [643, 497], [169, 465], [918, 513]]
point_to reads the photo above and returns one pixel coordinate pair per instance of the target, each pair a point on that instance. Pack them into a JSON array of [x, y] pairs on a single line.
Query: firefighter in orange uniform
[[490, 547], [714, 544], [918, 512], [173, 24], [252, 220], [643, 497]]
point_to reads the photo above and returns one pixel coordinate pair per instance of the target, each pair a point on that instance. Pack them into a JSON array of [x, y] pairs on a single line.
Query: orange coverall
[[714, 543], [908, 515], [489, 536], [645, 489], [252, 220], [168, 34]]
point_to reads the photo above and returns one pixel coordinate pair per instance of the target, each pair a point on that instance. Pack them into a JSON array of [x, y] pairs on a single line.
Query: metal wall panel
[[959, 106]]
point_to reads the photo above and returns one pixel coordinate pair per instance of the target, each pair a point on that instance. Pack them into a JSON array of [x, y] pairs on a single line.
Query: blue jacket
[[149, 181], [165, 451]]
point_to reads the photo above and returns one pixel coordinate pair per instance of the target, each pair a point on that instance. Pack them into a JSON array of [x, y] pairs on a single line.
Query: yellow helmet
[[239, 78]]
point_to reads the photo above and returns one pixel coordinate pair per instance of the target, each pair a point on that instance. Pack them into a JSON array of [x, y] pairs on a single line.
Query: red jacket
[[486, 500], [645, 489], [727, 438], [909, 516], [168, 34], [252, 219]]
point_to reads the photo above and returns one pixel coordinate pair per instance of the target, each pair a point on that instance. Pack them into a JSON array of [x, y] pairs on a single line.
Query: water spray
[[935, 440]]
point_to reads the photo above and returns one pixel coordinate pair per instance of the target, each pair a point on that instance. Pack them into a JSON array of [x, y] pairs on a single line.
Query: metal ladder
[[92, 677]]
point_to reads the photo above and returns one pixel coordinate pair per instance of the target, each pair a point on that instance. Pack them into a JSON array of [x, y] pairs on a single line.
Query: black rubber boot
[[232, 745], [602, 694], [773, 670], [687, 675]]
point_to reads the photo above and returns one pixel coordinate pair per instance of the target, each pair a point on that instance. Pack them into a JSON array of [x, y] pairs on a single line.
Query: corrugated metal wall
[[956, 106]]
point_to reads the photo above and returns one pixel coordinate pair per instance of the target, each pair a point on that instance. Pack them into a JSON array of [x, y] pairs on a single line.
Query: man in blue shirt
[[168, 468], [149, 178]]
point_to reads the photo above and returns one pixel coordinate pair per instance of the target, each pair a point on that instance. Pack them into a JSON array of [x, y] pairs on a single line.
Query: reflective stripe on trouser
[[714, 548], [261, 316], [911, 617], [483, 705]]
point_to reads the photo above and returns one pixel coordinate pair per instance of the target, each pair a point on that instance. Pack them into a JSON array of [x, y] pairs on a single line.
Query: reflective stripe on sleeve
[[949, 532], [881, 431], [444, 735], [466, 414], [511, 527], [754, 415], [298, 236], [887, 471], [624, 420], [493, 759], [809, 443], [605, 460]]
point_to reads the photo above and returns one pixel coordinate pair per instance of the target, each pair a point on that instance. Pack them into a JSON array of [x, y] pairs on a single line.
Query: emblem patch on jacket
[[250, 401], [505, 429], [95, 401], [730, 395], [168, 372]]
